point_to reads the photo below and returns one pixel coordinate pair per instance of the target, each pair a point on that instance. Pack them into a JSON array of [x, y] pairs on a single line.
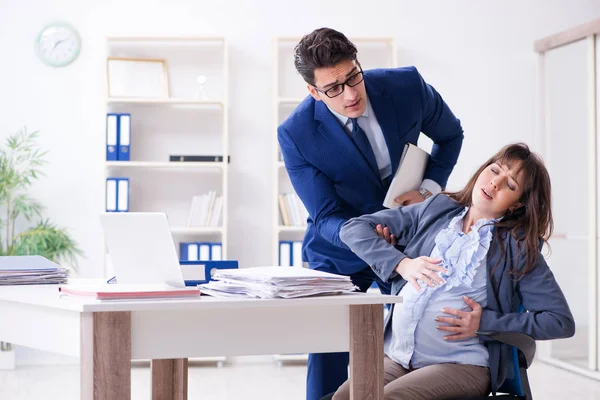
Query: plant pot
[[7, 360]]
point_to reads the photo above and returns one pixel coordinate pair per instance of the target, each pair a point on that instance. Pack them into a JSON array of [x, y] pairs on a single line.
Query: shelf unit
[[188, 121], [191, 120], [568, 99], [289, 90]]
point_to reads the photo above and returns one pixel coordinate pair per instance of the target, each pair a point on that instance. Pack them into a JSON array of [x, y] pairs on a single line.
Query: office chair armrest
[[522, 341]]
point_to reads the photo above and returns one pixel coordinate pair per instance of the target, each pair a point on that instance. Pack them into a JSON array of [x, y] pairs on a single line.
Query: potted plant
[[20, 166]]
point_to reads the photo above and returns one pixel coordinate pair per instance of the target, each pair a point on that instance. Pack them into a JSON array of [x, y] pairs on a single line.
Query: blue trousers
[[327, 371]]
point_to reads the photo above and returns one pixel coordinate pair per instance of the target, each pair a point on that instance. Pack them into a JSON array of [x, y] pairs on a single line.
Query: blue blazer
[[332, 178], [547, 313]]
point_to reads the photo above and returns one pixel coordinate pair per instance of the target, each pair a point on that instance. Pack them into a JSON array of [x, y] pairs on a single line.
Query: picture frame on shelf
[[137, 78]]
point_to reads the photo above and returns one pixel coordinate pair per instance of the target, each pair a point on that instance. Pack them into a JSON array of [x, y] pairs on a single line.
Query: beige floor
[[249, 379]]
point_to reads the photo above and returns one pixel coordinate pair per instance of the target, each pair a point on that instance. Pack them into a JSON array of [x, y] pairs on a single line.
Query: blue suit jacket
[[548, 315], [332, 178]]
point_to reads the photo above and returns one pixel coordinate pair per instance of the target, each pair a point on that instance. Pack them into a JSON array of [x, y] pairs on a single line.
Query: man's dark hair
[[322, 48]]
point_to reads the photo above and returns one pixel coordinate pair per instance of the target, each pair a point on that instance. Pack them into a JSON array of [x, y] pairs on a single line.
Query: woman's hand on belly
[[463, 324]]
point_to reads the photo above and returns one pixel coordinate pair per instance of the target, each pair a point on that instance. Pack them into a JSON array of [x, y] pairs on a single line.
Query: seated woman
[[471, 258]]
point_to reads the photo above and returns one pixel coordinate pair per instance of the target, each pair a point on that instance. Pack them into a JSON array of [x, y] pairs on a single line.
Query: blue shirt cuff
[[432, 186]]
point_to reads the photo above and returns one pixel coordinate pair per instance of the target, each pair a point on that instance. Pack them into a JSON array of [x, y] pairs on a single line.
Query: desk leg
[[366, 352], [170, 379], [106, 356]]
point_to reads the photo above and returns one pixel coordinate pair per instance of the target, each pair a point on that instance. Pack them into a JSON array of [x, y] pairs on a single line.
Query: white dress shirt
[[368, 122]]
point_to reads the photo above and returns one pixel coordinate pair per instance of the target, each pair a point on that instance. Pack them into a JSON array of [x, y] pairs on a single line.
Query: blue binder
[[200, 251], [197, 272], [123, 194], [111, 194], [117, 194], [290, 253], [124, 137], [188, 251], [285, 253], [112, 137], [216, 250]]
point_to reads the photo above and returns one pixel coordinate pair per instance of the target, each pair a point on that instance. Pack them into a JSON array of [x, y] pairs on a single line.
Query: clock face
[[58, 45]]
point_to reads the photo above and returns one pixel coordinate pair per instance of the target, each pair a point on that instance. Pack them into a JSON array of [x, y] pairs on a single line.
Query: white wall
[[479, 55]]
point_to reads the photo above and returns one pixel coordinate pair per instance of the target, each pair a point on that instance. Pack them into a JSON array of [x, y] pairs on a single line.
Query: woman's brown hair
[[532, 221]]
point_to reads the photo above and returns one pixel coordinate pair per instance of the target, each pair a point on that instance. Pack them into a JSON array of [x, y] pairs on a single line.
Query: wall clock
[[58, 44]]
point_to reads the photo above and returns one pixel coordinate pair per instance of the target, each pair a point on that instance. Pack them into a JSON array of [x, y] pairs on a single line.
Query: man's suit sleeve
[[444, 129], [359, 233], [316, 191]]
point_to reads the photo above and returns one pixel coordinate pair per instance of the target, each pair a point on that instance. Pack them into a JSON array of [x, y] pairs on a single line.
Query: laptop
[[141, 248]]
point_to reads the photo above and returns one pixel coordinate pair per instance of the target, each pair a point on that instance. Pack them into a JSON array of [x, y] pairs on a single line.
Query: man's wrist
[[431, 185], [425, 193]]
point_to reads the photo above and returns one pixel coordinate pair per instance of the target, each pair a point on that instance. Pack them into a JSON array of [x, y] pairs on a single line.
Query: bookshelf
[[289, 90], [190, 119]]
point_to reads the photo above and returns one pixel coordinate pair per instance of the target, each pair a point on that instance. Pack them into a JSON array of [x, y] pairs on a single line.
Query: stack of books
[[30, 270], [291, 210], [275, 282], [205, 210]]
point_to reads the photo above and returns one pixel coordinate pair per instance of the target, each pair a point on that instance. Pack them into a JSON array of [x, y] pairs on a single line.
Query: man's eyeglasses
[[338, 89]]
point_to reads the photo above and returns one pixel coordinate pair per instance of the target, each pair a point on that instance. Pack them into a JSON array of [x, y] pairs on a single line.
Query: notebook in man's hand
[[409, 174]]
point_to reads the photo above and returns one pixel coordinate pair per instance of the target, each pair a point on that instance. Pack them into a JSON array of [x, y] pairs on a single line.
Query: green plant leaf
[[47, 240], [25, 206], [21, 163]]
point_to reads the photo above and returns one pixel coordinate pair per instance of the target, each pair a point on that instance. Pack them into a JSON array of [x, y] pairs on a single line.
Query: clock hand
[[57, 43]]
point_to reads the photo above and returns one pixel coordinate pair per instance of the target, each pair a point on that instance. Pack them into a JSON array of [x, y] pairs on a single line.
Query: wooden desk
[[108, 335]]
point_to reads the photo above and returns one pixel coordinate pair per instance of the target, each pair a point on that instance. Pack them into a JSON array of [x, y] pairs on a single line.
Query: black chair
[[516, 385]]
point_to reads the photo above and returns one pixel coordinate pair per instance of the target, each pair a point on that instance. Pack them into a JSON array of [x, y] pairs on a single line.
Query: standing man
[[341, 147]]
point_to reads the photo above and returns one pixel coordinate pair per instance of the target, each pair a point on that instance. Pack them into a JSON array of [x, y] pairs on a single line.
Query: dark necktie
[[360, 140]]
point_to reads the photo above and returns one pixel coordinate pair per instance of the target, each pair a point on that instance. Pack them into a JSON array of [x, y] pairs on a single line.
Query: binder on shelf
[[297, 254], [117, 194], [124, 137], [198, 158], [112, 135], [216, 252], [197, 272], [290, 253], [188, 251], [111, 195], [200, 251], [285, 253], [204, 249], [123, 195]]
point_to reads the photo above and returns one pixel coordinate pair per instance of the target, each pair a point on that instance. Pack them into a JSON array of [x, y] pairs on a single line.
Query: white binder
[[409, 174], [123, 195]]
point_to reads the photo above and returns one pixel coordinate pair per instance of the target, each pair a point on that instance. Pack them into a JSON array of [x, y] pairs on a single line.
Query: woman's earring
[[510, 211]]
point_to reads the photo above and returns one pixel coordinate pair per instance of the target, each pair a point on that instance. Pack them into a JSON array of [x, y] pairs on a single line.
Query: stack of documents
[[30, 270], [275, 282]]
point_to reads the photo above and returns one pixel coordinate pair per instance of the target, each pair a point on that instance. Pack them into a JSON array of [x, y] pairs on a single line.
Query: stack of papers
[[275, 282], [30, 270]]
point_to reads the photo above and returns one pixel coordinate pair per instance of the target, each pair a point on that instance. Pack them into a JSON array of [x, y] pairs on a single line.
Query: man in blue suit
[[342, 146]]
